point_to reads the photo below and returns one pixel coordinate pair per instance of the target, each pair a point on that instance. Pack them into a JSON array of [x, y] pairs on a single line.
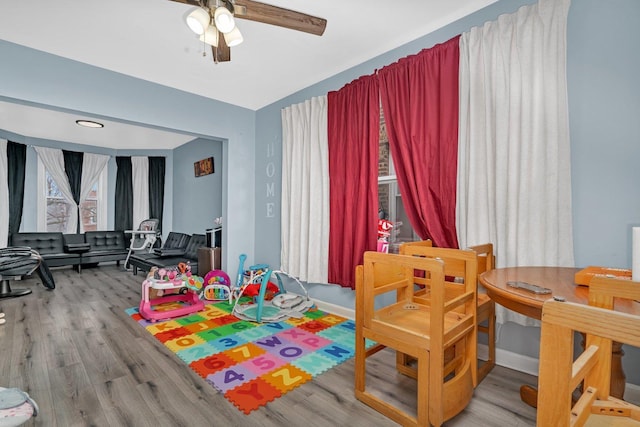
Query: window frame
[[41, 223]]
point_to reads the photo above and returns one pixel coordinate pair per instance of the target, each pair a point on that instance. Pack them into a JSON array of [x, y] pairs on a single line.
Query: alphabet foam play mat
[[254, 363]]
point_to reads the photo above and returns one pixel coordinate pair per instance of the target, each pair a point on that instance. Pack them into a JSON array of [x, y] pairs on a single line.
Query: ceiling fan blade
[[221, 53], [191, 2], [268, 14]]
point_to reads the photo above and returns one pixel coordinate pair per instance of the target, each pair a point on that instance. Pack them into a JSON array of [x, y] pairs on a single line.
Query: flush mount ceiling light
[[213, 17], [89, 124]]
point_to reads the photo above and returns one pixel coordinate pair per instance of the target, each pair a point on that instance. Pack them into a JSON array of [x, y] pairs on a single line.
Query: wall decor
[[203, 167]]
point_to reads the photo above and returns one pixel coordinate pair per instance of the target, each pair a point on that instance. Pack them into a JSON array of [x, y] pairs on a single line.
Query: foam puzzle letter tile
[[231, 377], [339, 335], [255, 333], [305, 339], [287, 377], [197, 352], [193, 318], [245, 352], [211, 364], [314, 326], [264, 363], [224, 320], [203, 325], [252, 395], [332, 319], [184, 342], [315, 363], [337, 352], [172, 334], [213, 311], [154, 328]]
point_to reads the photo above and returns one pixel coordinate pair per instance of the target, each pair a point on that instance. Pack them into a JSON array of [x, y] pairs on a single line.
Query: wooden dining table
[[560, 280]]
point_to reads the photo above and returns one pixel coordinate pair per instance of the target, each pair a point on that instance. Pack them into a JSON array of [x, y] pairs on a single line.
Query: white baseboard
[[336, 309]]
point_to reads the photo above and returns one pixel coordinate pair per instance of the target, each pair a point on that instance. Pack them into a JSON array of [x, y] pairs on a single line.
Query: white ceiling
[[149, 39]]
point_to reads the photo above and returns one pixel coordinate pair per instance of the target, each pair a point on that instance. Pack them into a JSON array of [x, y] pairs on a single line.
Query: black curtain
[[16, 161], [73, 169], [156, 187], [124, 194]]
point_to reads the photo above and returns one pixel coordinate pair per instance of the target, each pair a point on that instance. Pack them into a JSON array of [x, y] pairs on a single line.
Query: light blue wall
[[603, 60], [31, 77], [196, 201]]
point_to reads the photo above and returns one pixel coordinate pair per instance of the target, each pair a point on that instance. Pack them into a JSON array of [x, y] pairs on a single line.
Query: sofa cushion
[[50, 245], [43, 242], [174, 245], [106, 240]]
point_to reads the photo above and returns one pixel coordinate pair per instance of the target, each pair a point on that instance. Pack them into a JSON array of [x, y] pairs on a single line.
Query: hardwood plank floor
[[86, 363]]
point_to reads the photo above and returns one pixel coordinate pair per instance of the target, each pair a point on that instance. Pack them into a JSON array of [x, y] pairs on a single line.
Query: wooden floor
[[86, 363]]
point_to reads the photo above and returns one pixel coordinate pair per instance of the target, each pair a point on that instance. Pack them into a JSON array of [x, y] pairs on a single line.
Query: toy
[[281, 307], [217, 286], [164, 283]]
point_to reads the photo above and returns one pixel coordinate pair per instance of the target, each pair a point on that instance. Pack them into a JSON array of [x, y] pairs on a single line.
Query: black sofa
[[58, 249], [177, 248]]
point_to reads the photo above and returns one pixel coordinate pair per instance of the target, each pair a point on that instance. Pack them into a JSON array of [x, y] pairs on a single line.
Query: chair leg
[[360, 364], [7, 292], [423, 414], [488, 314]]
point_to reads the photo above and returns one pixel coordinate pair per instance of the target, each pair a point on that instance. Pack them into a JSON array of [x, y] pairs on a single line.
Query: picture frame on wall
[[204, 167]]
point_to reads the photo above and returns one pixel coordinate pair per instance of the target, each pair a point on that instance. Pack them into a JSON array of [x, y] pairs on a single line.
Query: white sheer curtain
[[305, 191], [514, 174], [53, 161], [92, 166], [4, 195], [140, 182]]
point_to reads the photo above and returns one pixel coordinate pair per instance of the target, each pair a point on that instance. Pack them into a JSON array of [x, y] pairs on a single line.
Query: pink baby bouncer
[[180, 288]]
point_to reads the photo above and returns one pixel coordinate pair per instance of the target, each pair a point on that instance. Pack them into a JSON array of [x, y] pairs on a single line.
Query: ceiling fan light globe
[[210, 36], [224, 20], [233, 37], [198, 20]]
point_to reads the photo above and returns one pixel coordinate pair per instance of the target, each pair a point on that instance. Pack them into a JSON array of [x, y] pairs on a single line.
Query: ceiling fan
[[214, 21]]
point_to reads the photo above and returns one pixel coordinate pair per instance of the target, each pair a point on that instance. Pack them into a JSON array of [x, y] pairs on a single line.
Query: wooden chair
[[424, 331], [560, 375], [602, 292], [486, 311]]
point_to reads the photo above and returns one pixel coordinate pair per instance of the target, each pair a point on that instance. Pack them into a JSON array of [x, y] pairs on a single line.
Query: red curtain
[[353, 131], [419, 97]]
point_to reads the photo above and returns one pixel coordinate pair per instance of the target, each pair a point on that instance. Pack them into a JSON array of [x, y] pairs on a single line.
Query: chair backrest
[[560, 375], [486, 258], [384, 273], [150, 224], [460, 266]]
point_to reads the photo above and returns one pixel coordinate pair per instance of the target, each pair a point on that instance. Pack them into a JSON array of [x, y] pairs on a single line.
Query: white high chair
[[143, 238]]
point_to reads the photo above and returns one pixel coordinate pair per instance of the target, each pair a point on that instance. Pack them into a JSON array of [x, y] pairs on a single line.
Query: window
[[54, 210], [390, 206]]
